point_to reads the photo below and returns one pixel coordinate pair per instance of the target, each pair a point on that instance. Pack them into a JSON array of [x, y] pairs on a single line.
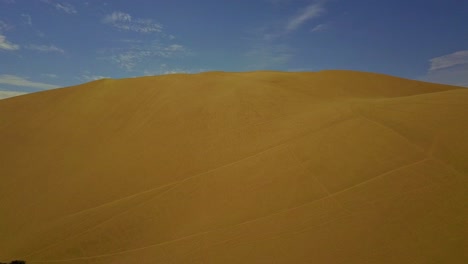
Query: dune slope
[[256, 167]]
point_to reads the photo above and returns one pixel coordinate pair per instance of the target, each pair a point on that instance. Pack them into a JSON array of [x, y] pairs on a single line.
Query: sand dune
[[257, 167]]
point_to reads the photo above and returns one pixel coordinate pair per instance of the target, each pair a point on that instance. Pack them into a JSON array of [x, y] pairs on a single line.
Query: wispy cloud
[[270, 47], [117, 17], [167, 69], [88, 78], [449, 69], [126, 22], [130, 57], [26, 19], [312, 11], [172, 48], [45, 48], [20, 81], [457, 75], [6, 45], [319, 28], [4, 26], [61, 6], [450, 60], [8, 94], [66, 8]]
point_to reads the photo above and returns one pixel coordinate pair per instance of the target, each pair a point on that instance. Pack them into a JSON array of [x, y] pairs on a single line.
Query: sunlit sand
[[255, 167]]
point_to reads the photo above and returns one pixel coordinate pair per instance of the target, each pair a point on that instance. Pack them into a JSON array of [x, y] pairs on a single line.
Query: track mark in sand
[[116, 201], [280, 145], [173, 184], [421, 149], [100, 223], [331, 196], [322, 186], [382, 174], [180, 182], [429, 153]]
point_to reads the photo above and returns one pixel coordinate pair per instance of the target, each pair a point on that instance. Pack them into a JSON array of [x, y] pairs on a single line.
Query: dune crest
[[254, 167]]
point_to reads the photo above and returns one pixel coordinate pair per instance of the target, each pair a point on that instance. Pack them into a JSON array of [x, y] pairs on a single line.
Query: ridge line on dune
[[244, 222]]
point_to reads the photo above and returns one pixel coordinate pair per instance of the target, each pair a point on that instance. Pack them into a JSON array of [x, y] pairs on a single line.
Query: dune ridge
[[248, 167]]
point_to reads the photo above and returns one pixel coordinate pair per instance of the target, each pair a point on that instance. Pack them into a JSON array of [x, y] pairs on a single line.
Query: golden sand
[[256, 167]]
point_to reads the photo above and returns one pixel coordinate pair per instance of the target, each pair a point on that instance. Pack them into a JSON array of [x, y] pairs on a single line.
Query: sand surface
[[258, 167]]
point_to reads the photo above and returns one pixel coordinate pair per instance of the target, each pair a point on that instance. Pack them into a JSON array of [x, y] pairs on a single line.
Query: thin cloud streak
[[26, 19], [6, 45], [45, 48], [62, 7], [129, 58], [319, 28], [20, 81], [126, 22], [310, 12], [449, 69], [8, 94], [89, 78], [450, 60]]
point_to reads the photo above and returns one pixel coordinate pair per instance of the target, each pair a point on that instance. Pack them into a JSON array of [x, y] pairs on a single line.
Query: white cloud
[[61, 6], [6, 45], [89, 78], [66, 7], [129, 58], [8, 94], [20, 81], [446, 61], [319, 28], [131, 41], [126, 22], [117, 17], [174, 47], [164, 72], [26, 19], [456, 75], [45, 48], [174, 72], [312, 11], [449, 69], [166, 69]]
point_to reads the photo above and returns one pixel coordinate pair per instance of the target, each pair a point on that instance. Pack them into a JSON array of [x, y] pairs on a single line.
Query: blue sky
[[54, 43]]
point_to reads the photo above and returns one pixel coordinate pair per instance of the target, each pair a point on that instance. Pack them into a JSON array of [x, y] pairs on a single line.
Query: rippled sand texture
[[258, 167]]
